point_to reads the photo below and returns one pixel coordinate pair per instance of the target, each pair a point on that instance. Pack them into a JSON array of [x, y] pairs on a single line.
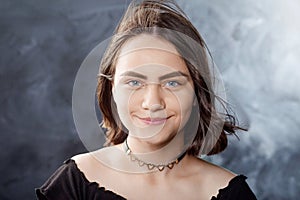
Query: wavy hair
[[156, 18]]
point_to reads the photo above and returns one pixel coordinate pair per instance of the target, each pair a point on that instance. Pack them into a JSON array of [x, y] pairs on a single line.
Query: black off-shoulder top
[[68, 182]]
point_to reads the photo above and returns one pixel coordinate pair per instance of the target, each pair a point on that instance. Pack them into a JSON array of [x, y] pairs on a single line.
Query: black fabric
[[68, 182], [237, 189]]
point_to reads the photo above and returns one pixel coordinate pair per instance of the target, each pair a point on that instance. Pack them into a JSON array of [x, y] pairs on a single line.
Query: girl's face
[[152, 89]]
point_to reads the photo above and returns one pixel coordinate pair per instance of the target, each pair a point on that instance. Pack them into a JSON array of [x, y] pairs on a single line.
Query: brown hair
[[156, 18]]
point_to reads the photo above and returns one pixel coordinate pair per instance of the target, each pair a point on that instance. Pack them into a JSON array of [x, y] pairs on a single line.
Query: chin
[[160, 140]]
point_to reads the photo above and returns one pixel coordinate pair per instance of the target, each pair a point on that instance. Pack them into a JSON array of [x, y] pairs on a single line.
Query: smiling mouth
[[154, 121]]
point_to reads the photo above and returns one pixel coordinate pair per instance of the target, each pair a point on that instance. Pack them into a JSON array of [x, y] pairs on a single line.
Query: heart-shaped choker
[[151, 166]]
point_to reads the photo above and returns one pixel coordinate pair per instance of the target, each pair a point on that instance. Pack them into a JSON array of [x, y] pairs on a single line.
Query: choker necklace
[[151, 166]]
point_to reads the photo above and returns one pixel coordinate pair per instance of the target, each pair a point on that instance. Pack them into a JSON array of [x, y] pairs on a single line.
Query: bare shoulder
[[83, 160], [211, 176], [94, 165], [86, 163], [211, 169], [98, 156]]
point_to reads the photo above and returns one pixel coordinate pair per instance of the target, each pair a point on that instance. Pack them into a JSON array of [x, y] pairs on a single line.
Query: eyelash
[[138, 83], [177, 83], [130, 83]]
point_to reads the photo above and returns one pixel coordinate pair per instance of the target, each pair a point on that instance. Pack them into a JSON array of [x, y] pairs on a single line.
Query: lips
[[153, 121]]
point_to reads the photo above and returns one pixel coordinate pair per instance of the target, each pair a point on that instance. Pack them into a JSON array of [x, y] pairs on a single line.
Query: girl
[[160, 110]]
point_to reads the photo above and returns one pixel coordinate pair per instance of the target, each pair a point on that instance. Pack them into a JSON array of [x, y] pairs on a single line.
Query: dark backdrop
[[43, 43]]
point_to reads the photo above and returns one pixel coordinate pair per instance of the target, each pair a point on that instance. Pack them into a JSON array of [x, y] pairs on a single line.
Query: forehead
[[151, 52]]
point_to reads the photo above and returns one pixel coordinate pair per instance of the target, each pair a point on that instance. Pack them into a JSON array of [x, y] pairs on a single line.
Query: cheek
[[184, 104], [121, 99], [126, 102], [121, 96], [186, 108], [126, 99], [135, 100]]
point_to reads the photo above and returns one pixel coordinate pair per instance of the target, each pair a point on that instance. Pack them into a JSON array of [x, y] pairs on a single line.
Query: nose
[[152, 99]]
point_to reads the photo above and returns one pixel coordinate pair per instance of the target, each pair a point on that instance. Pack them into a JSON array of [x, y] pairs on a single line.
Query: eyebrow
[[166, 76], [134, 74], [173, 74]]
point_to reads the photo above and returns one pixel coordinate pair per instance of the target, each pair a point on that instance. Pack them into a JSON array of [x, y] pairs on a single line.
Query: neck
[[157, 153]]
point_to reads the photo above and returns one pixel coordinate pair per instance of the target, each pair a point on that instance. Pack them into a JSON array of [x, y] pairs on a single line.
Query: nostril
[[154, 107]]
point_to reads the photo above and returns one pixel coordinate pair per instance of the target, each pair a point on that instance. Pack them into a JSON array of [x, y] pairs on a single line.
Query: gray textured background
[[255, 44]]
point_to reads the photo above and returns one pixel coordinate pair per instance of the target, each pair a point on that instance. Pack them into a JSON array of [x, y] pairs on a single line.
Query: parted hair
[[157, 17]]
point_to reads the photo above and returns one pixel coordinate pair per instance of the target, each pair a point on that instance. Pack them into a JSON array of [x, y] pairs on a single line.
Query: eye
[[172, 84], [134, 83]]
